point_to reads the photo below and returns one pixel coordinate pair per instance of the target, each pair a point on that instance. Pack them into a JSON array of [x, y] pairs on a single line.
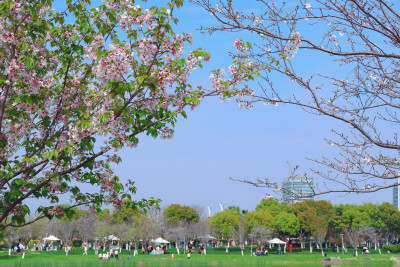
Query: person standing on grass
[[85, 248], [188, 256], [116, 254], [172, 257]]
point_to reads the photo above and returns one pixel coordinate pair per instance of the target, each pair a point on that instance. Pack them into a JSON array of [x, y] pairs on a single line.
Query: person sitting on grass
[[116, 255], [108, 255], [366, 251], [100, 256]]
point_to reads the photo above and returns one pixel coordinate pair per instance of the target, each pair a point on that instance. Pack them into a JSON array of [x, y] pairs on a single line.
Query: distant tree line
[[314, 222], [310, 223]]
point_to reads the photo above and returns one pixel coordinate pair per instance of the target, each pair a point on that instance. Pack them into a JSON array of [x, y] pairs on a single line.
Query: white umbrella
[[276, 241], [51, 238]]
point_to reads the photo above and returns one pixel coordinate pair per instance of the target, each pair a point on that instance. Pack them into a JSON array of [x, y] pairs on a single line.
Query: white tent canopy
[[160, 241], [51, 238], [207, 236], [111, 237], [276, 241]]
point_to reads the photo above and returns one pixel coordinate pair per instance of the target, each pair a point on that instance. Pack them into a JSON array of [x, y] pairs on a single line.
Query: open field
[[214, 257]]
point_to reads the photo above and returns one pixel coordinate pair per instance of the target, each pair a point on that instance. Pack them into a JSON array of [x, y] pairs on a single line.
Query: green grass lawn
[[214, 257]]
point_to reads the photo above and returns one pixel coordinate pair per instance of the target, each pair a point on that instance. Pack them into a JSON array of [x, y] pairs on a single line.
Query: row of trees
[[319, 220], [176, 223], [309, 220]]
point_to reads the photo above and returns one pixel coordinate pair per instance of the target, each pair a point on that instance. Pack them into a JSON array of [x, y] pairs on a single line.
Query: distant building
[[297, 186], [396, 196]]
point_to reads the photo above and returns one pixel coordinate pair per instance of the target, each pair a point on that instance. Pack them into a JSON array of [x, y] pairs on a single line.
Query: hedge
[[393, 248]]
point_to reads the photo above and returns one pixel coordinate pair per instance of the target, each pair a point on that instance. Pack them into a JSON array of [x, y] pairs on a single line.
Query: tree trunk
[[227, 246], [301, 234], [177, 248], [205, 250]]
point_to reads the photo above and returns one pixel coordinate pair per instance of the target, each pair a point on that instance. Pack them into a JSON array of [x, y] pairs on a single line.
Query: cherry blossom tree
[[177, 234], [203, 232], [240, 233], [355, 236], [137, 228], [78, 85], [320, 235], [356, 83], [261, 234], [85, 226], [372, 235]]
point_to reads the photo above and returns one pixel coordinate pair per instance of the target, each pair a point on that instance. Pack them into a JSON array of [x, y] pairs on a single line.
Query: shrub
[[392, 248], [77, 243]]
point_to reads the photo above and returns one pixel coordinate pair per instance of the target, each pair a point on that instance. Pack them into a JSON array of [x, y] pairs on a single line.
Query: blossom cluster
[[56, 210]]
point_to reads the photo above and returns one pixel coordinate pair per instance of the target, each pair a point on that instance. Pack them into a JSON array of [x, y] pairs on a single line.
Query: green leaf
[[75, 190]]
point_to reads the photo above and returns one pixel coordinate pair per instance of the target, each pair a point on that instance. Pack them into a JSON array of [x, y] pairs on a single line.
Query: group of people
[[155, 251], [109, 255], [17, 248], [261, 252]]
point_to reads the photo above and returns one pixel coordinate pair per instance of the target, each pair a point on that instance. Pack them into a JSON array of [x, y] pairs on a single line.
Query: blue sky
[[218, 141]]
